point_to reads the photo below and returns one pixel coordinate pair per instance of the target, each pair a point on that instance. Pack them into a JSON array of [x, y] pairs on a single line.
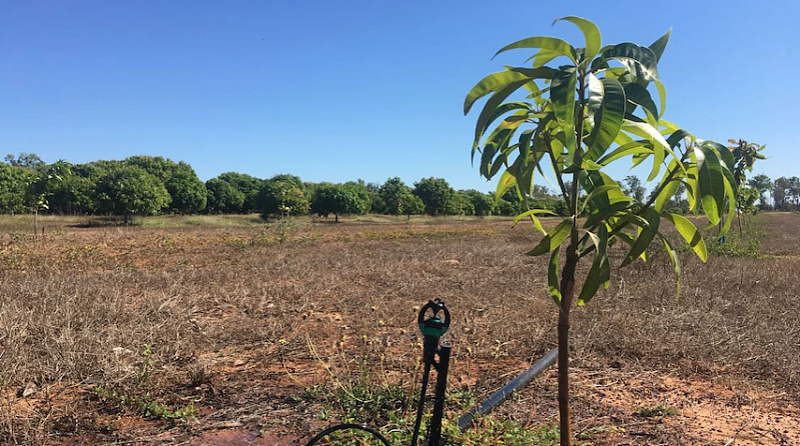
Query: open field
[[226, 330]]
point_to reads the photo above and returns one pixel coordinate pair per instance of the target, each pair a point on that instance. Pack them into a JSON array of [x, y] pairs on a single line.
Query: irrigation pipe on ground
[[465, 422]]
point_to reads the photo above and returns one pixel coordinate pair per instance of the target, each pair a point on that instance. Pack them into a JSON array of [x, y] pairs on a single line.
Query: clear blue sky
[[335, 90]]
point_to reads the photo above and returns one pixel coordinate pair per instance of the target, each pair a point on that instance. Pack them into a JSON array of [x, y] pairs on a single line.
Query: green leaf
[[507, 181], [660, 145], [673, 257], [666, 194], [598, 215], [710, 183], [553, 239], [644, 59], [562, 95], [640, 96], [552, 277], [632, 148], [591, 180], [494, 108], [608, 119], [659, 45], [532, 214], [602, 190], [645, 237], [590, 33], [690, 233], [600, 272], [662, 96], [553, 44], [501, 79], [594, 97], [542, 57]]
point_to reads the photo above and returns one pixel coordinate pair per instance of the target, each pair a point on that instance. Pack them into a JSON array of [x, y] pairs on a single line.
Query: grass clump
[[658, 411]]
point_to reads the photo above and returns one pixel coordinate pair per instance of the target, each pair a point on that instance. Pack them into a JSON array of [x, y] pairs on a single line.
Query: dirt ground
[[237, 334]]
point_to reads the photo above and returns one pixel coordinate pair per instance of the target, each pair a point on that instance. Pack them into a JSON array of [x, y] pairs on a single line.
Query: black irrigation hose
[[340, 427]]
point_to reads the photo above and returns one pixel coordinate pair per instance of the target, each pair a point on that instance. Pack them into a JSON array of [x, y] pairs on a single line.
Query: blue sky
[[335, 90]]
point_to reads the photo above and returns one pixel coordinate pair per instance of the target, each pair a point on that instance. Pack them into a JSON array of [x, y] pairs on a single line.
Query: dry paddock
[[240, 321]]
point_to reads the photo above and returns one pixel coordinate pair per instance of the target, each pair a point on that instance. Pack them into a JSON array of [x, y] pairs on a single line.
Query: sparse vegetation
[[228, 311]]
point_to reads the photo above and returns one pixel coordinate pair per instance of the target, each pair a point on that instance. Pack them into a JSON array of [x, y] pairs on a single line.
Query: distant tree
[[436, 193], [393, 193], [129, 190], [28, 160], [222, 197], [781, 193], [74, 194], [185, 188], [364, 195], [762, 184], [12, 188], [188, 193], [248, 185], [339, 199], [294, 179], [634, 188], [482, 204], [281, 198], [459, 204], [793, 190], [409, 204]]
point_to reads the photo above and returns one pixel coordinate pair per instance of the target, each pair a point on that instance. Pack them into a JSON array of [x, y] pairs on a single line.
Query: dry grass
[[243, 318]]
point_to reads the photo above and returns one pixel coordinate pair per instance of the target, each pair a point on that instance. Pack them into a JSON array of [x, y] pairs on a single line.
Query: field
[[230, 331]]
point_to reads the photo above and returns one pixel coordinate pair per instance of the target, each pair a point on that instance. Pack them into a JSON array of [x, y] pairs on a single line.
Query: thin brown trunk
[[35, 223], [567, 296]]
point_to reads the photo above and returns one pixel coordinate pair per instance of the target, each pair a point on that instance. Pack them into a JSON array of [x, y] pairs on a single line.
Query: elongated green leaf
[[644, 59], [562, 95], [660, 145], [507, 181], [608, 120], [553, 239], [491, 83], [731, 195], [594, 179], [553, 44], [594, 97], [710, 183], [495, 108], [600, 272], [662, 96], [676, 265], [552, 277], [532, 212], [690, 233], [666, 194], [640, 96], [590, 33], [501, 79], [632, 148], [645, 237], [598, 215], [602, 190], [659, 45]]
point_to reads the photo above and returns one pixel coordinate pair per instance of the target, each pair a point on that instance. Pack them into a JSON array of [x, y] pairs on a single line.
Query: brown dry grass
[[243, 318]]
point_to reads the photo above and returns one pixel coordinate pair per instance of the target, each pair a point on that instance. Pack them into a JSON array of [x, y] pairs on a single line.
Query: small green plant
[[145, 406], [145, 366], [657, 411]]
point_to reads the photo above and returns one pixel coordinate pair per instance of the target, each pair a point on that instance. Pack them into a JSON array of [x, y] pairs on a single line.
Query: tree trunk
[[35, 223], [336, 218], [567, 295]]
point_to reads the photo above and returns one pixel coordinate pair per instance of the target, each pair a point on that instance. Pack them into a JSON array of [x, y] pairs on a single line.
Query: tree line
[[152, 185]]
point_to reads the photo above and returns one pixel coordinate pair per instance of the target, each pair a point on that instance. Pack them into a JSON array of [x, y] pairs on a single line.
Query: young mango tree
[[579, 117]]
